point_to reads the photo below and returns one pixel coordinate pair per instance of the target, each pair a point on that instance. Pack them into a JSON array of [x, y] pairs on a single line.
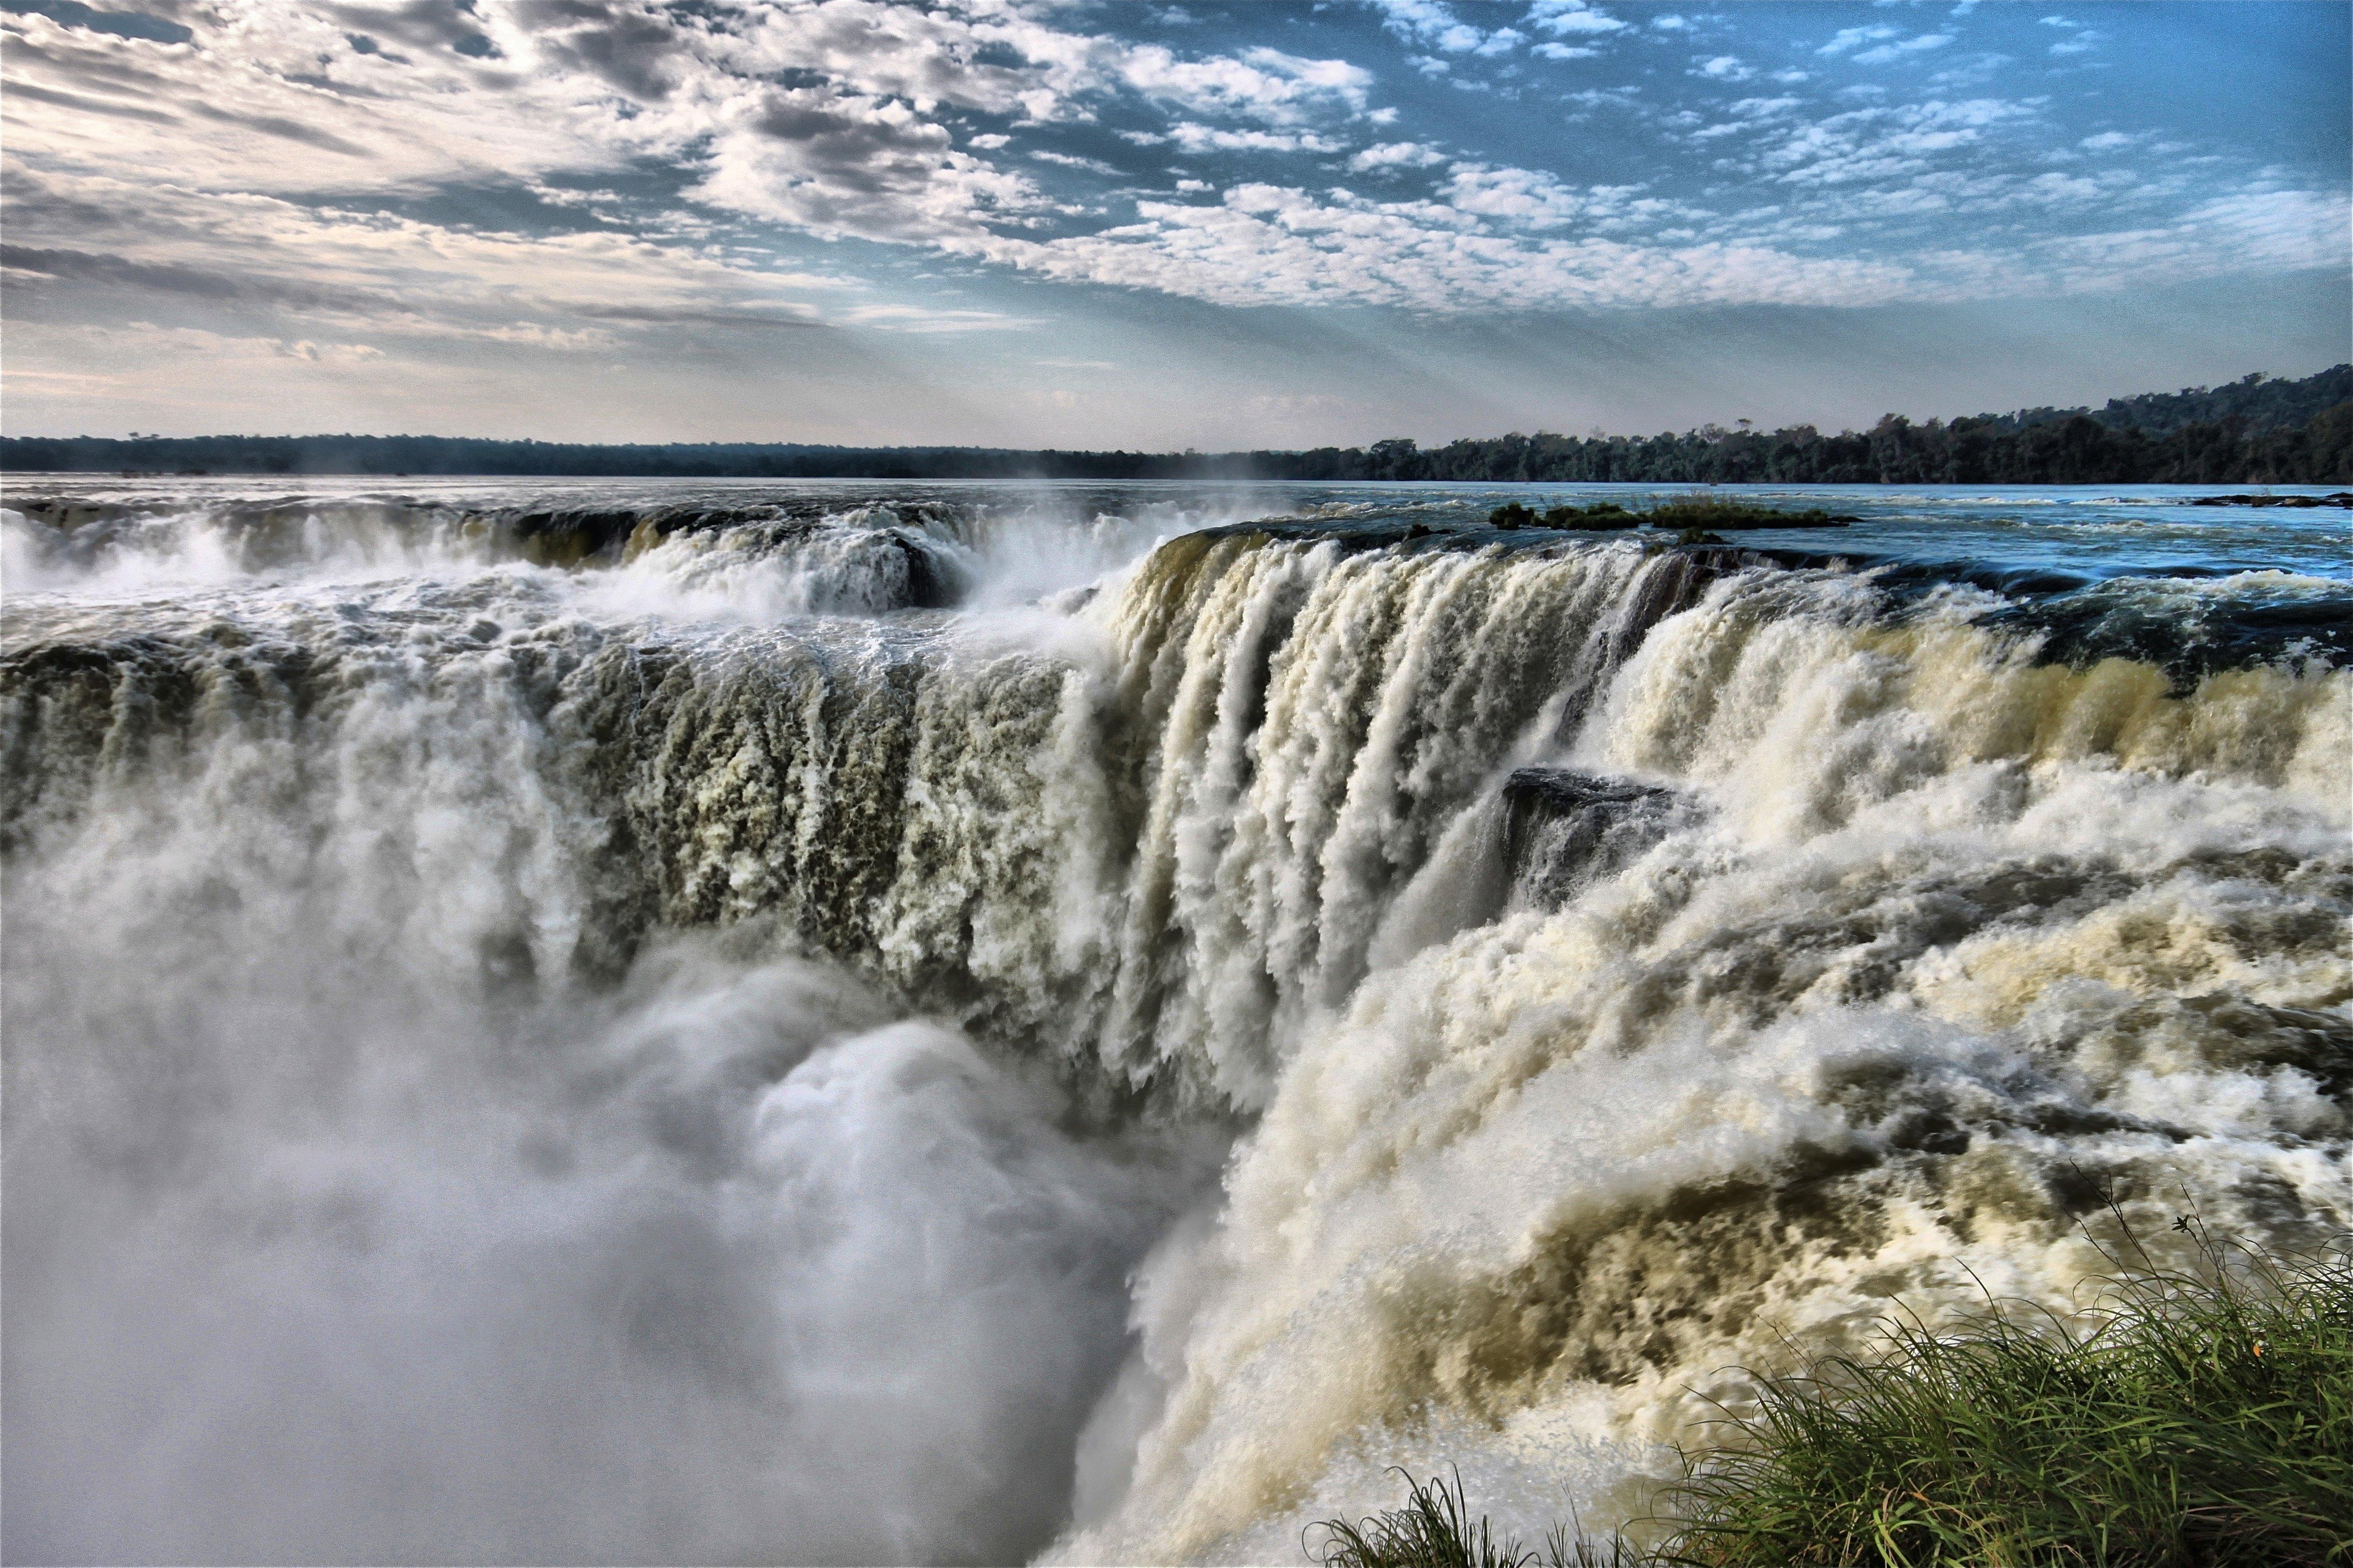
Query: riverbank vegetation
[[2252, 431], [2204, 1417]]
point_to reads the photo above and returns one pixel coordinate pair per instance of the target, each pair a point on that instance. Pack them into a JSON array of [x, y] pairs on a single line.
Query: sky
[[1055, 222]]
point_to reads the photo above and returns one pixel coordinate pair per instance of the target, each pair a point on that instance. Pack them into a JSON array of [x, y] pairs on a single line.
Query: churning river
[[890, 1022]]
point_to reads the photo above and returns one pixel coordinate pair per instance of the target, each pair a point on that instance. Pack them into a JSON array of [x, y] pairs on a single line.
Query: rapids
[[901, 1022]]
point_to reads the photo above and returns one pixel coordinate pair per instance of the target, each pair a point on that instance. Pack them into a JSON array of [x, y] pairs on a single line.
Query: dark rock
[[2341, 498], [1563, 828]]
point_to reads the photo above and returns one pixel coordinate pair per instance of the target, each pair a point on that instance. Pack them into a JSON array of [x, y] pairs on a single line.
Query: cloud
[[2085, 41], [838, 165], [1897, 51], [1396, 155], [1197, 139], [1854, 38], [925, 319], [1885, 143], [1971, 71], [689, 143], [361, 271], [1429, 22], [1566, 16], [1072, 161], [1481, 244], [2278, 230], [1264, 83], [825, 116], [1438, 26], [225, 285]]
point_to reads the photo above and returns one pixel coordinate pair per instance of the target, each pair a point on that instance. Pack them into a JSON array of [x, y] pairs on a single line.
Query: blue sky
[[1038, 222]]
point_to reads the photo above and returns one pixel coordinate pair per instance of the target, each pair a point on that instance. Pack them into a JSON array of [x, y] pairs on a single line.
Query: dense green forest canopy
[[2252, 431], [2264, 403]]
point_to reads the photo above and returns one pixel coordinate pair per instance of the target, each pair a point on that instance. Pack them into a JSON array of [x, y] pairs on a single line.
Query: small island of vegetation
[[1691, 512]]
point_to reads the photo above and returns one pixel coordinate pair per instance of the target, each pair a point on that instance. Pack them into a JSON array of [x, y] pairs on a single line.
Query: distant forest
[[2252, 431]]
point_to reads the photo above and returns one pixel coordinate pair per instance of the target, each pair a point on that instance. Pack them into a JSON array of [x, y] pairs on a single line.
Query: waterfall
[[622, 1028]]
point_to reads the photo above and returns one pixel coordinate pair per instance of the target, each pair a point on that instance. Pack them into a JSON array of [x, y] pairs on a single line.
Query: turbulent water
[[906, 1023]]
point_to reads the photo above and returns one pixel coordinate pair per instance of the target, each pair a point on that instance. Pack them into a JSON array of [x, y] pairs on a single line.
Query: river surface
[[878, 1022]]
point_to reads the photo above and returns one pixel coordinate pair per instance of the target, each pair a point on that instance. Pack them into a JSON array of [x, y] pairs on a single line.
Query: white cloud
[[1564, 17], [2272, 230], [1282, 245], [1196, 139], [1854, 38], [1430, 22], [1269, 84], [849, 141], [1885, 143], [2083, 41], [1886, 52], [852, 119], [148, 338], [1072, 161], [1971, 71], [1439, 25], [384, 276], [921, 319], [1396, 155]]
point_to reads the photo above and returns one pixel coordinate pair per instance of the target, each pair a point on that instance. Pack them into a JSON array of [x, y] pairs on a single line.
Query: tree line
[[2252, 431]]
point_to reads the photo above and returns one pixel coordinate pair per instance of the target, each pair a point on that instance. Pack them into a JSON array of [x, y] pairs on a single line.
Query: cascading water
[[937, 1023]]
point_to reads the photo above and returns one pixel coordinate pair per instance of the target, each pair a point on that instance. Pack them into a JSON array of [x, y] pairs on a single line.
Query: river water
[[578, 1021]]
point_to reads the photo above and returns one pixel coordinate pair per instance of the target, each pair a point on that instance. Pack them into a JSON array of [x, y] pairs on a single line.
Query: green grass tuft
[[2207, 1419], [1435, 1530]]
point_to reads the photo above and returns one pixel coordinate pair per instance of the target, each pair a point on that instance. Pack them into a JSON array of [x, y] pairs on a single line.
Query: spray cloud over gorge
[[952, 1022]]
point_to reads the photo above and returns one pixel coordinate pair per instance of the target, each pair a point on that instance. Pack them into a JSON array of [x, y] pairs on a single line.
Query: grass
[[1698, 512], [1434, 1530], [2206, 1419]]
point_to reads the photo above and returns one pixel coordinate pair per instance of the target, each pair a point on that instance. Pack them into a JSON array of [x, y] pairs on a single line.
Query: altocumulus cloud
[[295, 155]]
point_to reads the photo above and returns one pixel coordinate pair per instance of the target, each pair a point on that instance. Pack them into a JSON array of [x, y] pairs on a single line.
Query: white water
[[676, 1060]]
